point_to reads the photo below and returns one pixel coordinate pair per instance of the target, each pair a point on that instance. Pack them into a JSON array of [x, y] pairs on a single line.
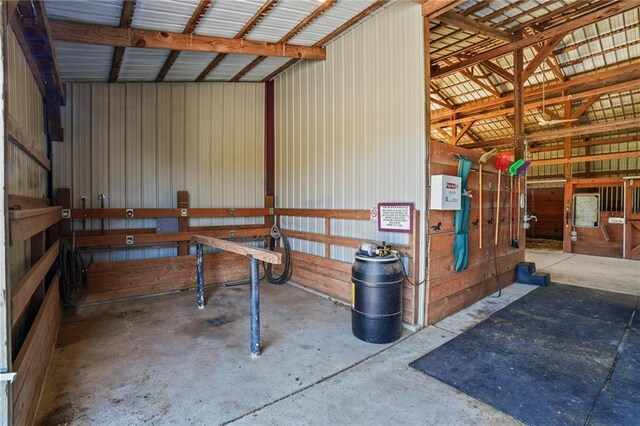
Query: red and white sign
[[373, 215]]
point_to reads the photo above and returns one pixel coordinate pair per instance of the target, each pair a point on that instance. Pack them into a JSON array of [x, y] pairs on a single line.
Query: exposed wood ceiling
[[582, 61]]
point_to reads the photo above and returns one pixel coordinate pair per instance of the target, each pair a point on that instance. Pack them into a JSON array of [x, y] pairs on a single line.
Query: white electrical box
[[446, 192]]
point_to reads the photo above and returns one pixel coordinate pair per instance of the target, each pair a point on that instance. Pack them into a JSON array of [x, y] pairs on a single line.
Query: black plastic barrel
[[376, 301]]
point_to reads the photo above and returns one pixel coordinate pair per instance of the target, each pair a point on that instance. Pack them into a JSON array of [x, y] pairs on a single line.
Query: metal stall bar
[[254, 255]]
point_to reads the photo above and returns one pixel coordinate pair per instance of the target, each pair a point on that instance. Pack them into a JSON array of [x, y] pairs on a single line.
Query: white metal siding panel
[[226, 18], [350, 130], [140, 143], [282, 19], [230, 66]]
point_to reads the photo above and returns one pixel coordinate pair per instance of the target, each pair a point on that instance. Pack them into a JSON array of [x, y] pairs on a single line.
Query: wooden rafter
[[126, 16], [598, 79], [191, 26], [586, 158], [540, 37], [482, 74], [584, 106], [432, 9], [122, 37], [587, 143], [257, 17], [628, 85], [329, 37], [292, 33], [471, 77], [474, 27], [498, 70], [461, 133], [542, 55], [441, 103]]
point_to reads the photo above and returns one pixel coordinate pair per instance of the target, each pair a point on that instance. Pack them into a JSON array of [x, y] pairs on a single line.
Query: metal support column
[[200, 274], [254, 300]]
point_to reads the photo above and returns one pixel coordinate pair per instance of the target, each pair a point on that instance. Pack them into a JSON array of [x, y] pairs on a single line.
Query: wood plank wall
[[448, 291], [118, 280], [547, 204], [139, 143]]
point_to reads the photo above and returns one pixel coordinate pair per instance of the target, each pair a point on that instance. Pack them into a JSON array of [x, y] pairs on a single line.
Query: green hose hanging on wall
[[461, 219]]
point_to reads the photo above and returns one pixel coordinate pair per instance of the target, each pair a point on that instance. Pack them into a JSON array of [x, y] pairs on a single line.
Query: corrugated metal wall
[[24, 175], [140, 143], [350, 131]]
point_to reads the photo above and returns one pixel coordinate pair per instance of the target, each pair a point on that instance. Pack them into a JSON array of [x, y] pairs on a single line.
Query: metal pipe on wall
[[254, 301]]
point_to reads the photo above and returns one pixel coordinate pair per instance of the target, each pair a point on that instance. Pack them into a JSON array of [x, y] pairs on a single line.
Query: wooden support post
[[414, 243], [518, 103], [427, 117], [183, 222], [628, 227], [567, 140], [327, 232]]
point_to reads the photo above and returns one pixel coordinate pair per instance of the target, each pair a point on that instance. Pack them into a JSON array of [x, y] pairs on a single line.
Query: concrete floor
[[160, 360], [601, 273]]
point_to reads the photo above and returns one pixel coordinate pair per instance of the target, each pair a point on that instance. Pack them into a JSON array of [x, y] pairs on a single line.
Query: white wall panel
[[140, 143], [350, 130]]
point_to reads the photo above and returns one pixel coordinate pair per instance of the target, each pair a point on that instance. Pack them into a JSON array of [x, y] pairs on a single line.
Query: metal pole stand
[[254, 301], [200, 274]]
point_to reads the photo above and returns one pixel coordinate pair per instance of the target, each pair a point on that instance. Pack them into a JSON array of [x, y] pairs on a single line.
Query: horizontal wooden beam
[[120, 240], [26, 143], [325, 213], [591, 80], [27, 223], [590, 18], [586, 144], [160, 212], [76, 32], [533, 104], [22, 292], [256, 253], [475, 27], [404, 250], [584, 130], [586, 158]]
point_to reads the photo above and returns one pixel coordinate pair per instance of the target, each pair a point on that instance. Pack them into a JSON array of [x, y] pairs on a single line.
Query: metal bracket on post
[[200, 276], [254, 300]]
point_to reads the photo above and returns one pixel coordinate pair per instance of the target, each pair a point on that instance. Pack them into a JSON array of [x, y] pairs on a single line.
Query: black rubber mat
[[545, 358]]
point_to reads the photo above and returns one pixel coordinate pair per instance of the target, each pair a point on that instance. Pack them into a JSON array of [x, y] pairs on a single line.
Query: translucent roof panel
[[84, 62], [189, 65], [163, 15], [265, 68], [229, 67], [105, 12], [141, 64]]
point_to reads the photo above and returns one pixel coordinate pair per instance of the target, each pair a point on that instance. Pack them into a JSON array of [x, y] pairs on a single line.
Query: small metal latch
[[129, 212], [66, 213], [232, 212], [7, 377], [272, 211], [183, 212], [129, 240], [232, 234]]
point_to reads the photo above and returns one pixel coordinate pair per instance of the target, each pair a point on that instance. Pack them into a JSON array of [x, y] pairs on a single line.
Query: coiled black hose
[[73, 275], [287, 268]]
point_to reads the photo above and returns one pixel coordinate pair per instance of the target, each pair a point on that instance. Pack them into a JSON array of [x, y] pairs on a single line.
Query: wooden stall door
[[547, 204]]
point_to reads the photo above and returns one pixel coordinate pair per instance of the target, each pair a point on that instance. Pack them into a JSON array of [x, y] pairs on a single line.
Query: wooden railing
[[35, 302]]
